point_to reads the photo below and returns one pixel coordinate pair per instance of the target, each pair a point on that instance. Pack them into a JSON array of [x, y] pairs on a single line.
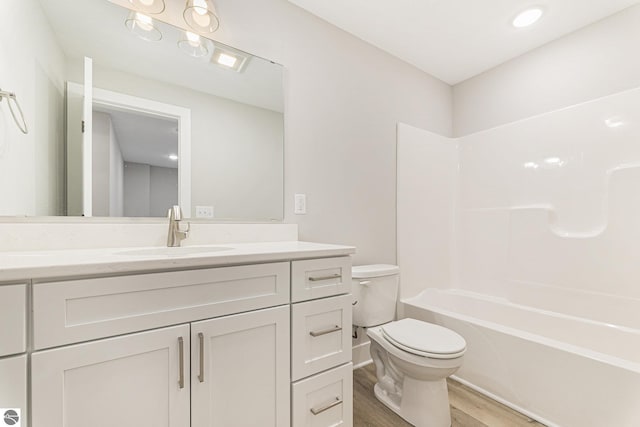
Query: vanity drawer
[[80, 310], [13, 307], [320, 335], [324, 400], [319, 278]]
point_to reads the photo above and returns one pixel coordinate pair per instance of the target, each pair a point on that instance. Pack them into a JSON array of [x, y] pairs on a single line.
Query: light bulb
[[200, 18], [144, 22], [193, 39]]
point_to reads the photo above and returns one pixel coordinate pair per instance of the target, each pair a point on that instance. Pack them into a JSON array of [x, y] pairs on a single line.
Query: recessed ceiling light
[[614, 122], [227, 60], [527, 17]]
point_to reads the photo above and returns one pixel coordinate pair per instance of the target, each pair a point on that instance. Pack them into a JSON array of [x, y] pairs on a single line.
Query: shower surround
[[528, 232]]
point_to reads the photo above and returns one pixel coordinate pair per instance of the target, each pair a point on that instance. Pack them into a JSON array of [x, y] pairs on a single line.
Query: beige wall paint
[[343, 99], [595, 61]]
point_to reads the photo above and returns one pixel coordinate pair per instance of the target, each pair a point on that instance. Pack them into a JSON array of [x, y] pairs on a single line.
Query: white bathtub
[[559, 369]]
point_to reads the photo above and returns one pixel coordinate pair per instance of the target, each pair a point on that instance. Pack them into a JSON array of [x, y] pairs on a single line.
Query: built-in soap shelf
[[552, 213]]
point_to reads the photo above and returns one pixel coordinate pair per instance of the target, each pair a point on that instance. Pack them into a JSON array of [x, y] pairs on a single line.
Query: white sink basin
[[171, 252]]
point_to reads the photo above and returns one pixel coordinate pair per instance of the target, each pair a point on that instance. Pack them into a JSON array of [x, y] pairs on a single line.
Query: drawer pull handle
[[316, 411], [181, 356], [321, 278], [325, 331], [201, 374]]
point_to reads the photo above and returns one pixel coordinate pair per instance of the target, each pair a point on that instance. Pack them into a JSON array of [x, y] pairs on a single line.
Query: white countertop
[[16, 266]]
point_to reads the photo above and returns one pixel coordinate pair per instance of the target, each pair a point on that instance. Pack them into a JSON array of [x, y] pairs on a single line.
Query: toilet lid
[[424, 339]]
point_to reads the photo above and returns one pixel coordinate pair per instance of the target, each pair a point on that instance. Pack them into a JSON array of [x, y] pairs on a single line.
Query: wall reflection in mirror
[[172, 118]]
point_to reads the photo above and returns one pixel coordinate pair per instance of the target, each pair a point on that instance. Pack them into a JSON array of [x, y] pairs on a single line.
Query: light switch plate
[[300, 204]]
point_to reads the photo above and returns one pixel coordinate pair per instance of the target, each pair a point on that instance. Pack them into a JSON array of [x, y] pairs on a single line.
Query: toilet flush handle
[[365, 282]]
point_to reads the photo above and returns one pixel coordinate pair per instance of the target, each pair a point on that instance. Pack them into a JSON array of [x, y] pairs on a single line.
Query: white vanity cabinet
[[193, 344], [228, 371]]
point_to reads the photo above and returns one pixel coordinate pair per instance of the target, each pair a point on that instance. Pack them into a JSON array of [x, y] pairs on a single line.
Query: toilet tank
[[375, 291]]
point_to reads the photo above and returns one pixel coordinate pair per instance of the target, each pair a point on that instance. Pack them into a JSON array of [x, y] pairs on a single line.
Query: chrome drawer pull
[[316, 411], [325, 331], [181, 349], [321, 278], [201, 374]]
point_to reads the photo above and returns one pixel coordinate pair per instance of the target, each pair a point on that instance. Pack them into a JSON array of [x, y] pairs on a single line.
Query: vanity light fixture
[[143, 26], [201, 16], [527, 17], [194, 45], [148, 6]]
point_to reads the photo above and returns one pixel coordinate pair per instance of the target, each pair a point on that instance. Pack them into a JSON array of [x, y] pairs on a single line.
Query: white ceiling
[[454, 40]]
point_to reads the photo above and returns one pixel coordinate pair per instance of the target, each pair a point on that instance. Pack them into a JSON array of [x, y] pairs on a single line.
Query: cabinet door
[[13, 389], [138, 380], [240, 370]]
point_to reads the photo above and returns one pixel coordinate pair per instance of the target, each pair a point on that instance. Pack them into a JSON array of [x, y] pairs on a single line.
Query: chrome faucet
[[175, 234]]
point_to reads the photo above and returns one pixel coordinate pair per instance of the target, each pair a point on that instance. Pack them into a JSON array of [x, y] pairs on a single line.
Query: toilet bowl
[[412, 358]]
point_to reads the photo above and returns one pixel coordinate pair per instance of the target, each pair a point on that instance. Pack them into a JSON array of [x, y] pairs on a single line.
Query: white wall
[[107, 168], [343, 99], [116, 177], [101, 165], [163, 191], [31, 166], [136, 189], [149, 191], [595, 61]]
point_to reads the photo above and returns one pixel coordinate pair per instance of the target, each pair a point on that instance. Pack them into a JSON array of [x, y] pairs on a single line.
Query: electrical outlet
[[204, 211], [300, 204]]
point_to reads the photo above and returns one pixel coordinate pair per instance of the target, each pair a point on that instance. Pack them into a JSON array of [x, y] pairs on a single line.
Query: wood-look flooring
[[468, 407]]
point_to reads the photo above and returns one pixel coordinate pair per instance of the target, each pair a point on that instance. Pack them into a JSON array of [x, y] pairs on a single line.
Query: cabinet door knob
[[325, 407]]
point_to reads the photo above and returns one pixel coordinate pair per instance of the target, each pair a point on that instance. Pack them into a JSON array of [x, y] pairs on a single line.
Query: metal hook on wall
[[12, 97]]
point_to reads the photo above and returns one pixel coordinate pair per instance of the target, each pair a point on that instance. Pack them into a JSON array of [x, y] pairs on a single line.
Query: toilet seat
[[424, 339]]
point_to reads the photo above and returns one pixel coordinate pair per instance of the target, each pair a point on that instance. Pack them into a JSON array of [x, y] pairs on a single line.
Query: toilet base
[[424, 403]]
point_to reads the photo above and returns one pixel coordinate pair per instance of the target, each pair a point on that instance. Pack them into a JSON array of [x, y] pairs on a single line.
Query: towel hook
[[12, 96]]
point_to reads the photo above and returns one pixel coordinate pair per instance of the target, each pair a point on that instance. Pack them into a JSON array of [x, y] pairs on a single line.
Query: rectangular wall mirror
[[135, 116]]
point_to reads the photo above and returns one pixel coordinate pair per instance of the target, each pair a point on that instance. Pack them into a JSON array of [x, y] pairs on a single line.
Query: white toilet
[[413, 358]]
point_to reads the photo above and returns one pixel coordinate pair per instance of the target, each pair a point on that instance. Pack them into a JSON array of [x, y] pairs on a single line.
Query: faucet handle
[[185, 231]]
